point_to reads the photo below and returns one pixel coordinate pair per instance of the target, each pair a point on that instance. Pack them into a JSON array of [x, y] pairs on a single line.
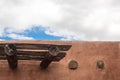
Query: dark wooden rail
[[14, 51]]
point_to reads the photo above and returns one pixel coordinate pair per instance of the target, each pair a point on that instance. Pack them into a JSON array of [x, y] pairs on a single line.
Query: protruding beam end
[[10, 51]]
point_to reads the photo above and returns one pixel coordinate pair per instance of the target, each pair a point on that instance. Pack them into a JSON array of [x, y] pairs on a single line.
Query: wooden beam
[[38, 45], [53, 52], [34, 57], [11, 56]]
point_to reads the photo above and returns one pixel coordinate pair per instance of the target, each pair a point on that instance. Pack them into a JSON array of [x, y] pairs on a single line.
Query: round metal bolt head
[[100, 64], [9, 50], [73, 64], [54, 50]]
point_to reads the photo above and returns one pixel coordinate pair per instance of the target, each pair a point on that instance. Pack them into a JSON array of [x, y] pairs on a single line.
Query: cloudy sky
[[60, 20]]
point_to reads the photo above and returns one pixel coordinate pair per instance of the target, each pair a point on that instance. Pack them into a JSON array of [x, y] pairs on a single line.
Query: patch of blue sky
[[38, 33]]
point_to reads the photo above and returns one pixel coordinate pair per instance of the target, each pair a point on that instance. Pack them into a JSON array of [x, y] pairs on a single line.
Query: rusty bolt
[[9, 49], [54, 50], [73, 64], [100, 64]]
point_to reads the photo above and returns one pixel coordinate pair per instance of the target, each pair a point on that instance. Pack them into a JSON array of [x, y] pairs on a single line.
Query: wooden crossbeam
[[33, 50]]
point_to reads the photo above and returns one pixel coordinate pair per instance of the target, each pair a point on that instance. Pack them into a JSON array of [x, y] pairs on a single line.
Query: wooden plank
[[40, 45], [35, 57], [30, 54], [26, 53]]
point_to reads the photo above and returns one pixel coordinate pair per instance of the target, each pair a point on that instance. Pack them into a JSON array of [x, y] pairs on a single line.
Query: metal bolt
[[100, 64], [10, 49], [54, 50], [73, 64]]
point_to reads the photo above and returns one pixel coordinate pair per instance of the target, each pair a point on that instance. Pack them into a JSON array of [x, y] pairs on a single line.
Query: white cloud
[[90, 20], [19, 37], [19, 15], [70, 19]]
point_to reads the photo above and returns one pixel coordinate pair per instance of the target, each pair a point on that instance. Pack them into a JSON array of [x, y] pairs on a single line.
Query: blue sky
[[37, 33], [88, 20]]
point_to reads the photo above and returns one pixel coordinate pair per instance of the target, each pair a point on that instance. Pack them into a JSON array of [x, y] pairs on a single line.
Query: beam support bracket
[[53, 51], [10, 51]]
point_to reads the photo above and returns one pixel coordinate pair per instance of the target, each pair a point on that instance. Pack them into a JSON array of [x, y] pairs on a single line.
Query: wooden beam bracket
[[46, 53], [53, 52], [11, 55]]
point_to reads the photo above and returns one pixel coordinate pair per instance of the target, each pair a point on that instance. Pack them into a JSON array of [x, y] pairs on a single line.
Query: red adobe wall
[[85, 53]]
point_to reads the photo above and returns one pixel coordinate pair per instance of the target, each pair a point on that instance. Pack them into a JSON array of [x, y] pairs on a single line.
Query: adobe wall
[[85, 53]]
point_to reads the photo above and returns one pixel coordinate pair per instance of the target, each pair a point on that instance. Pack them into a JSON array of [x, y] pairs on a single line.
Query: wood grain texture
[[85, 53]]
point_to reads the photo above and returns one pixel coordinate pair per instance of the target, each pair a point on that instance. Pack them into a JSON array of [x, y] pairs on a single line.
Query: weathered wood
[[39, 47], [35, 45], [53, 52], [42, 46], [11, 56], [45, 63], [35, 57], [33, 51]]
